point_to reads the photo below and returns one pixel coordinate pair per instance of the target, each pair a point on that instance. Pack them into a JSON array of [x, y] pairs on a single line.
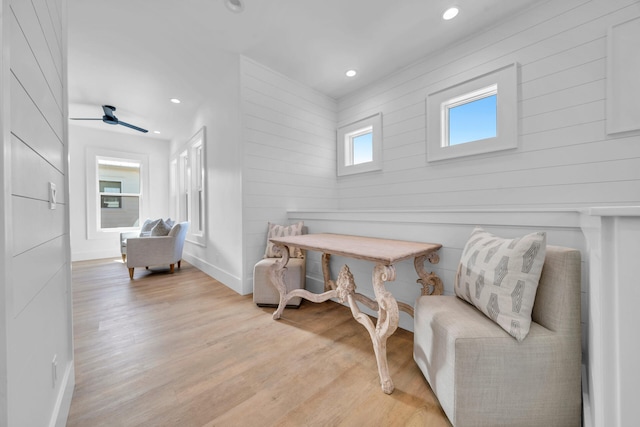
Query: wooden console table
[[384, 253]]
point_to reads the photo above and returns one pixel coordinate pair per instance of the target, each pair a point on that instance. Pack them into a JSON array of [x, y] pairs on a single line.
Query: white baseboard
[[63, 402], [89, 255], [217, 273]]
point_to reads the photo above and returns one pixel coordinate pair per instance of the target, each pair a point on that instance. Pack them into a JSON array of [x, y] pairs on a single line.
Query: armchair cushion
[[500, 277]]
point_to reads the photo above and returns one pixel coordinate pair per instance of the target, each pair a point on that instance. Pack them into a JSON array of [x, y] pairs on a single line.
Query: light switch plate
[[52, 195]]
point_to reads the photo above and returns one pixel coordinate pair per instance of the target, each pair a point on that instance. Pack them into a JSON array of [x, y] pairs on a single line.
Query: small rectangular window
[[472, 118], [475, 116], [359, 146]]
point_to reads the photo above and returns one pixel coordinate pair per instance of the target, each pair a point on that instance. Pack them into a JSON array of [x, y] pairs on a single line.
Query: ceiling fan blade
[[108, 110], [132, 126], [71, 118]]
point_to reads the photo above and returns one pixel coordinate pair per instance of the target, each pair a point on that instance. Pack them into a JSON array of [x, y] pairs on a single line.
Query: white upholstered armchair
[[156, 250]]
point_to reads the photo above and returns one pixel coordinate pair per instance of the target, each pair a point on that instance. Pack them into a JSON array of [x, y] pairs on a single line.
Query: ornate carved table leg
[[388, 315], [276, 273], [431, 283], [326, 273]]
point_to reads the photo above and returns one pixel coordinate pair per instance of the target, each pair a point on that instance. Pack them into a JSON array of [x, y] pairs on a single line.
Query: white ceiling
[[136, 54]]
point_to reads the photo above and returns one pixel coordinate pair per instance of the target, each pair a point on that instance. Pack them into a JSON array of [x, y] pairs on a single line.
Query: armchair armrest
[[127, 235]]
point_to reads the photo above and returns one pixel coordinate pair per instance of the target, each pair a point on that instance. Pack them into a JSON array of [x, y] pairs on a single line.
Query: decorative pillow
[[170, 222], [283, 231], [161, 229], [145, 231], [500, 277]]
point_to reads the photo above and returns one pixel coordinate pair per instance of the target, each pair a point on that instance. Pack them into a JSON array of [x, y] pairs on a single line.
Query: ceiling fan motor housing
[[111, 120]]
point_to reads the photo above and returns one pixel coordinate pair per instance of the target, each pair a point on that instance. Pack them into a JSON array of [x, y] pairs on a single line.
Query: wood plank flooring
[[184, 350]]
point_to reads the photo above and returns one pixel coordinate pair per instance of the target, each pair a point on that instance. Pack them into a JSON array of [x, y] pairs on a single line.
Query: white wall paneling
[[289, 134], [36, 287], [565, 156], [623, 69]]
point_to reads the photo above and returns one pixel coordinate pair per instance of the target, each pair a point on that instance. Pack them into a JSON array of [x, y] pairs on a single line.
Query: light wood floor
[[183, 350]]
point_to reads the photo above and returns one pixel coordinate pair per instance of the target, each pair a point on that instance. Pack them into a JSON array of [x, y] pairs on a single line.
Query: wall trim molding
[[551, 218]]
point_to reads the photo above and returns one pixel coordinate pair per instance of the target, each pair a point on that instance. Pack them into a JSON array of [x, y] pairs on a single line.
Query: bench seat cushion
[[481, 374]]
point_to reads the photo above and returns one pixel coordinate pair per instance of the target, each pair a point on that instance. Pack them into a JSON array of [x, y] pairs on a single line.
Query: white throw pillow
[[500, 277], [283, 231], [145, 231], [161, 229]]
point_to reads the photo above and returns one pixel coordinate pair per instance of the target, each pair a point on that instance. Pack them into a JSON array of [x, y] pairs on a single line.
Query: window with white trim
[[359, 146], [188, 187], [117, 183], [474, 117], [118, 193]]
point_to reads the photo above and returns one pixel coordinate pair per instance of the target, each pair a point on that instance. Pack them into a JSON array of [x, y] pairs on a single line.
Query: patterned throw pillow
[[161, 229], [282, 231], [500, 277]]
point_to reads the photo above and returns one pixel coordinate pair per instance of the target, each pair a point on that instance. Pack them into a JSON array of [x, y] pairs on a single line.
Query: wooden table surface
[[383, 251]]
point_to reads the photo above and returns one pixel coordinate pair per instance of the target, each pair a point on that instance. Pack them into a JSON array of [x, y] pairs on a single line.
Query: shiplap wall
[[38, 302], [565, 157], [289, 134]]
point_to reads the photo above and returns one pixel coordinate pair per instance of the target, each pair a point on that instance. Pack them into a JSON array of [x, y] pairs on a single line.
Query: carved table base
[[344, 289]]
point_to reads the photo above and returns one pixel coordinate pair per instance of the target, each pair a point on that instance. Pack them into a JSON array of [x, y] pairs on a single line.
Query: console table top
[[383, 251]]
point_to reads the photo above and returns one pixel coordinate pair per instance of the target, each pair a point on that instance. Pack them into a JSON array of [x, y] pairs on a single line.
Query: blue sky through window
[[473, 121], [362, 148]]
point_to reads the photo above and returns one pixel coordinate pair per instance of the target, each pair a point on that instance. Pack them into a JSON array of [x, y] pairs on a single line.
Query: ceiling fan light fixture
[[450, 13], [236, 6]]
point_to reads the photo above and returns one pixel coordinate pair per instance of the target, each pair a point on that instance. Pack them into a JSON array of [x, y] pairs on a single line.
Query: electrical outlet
[[54, 371]]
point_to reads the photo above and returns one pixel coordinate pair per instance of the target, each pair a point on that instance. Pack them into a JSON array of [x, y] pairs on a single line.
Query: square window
[[475, 116], [359, 146]]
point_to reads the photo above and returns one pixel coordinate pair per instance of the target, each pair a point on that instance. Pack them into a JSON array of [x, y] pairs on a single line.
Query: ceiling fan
[[111, 119]]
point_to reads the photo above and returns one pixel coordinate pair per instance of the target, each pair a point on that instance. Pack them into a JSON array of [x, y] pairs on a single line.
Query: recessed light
[[175, 100], [157, 132], [450, 13], [351, 73], [234, 5]]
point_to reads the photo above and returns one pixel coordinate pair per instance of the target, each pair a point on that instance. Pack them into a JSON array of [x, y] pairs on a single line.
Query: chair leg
[[124, 257], [179, 262], [131, 273], [171, 268]]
